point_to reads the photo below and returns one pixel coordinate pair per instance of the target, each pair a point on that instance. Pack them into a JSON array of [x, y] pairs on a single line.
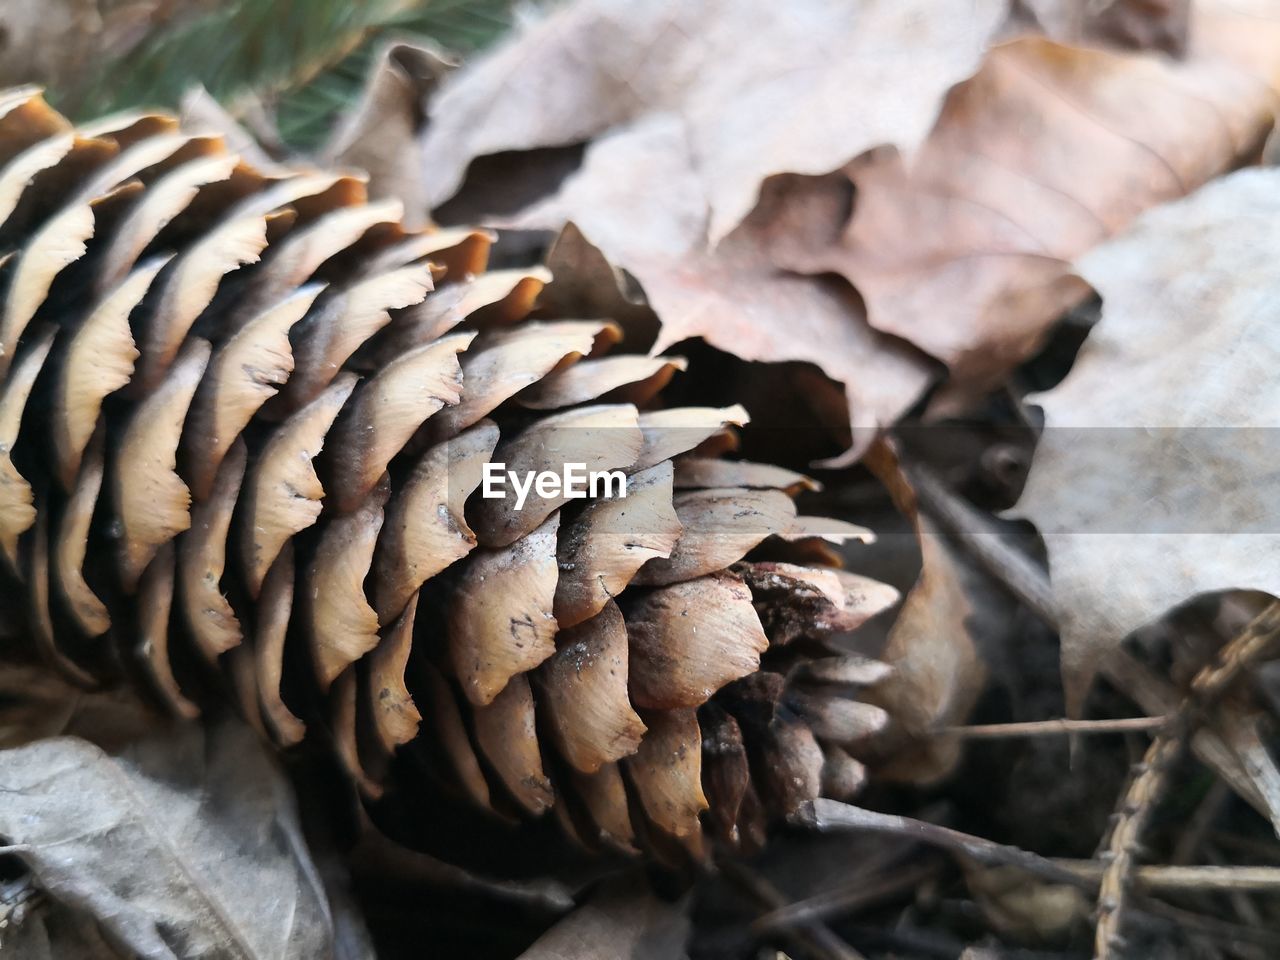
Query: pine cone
[[243, 419]]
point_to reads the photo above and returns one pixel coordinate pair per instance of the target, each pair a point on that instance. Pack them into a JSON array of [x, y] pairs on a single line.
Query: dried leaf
[[216, 866], [937, 673], [381, 134], [638, 201], [624, 921], [965, 251], [1131, 24], [750, 92], [1154, 479]]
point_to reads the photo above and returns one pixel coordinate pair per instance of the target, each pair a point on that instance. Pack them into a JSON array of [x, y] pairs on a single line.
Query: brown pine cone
[[243, 420]]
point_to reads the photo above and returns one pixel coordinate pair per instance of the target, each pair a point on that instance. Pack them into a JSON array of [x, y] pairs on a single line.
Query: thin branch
[[866, 891], [810, 934], [826, 815], [1160, 878], [1042, 728]]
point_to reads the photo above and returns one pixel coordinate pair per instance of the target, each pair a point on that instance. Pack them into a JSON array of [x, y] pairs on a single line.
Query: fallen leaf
[[966, 250], [637, 200], [750, 87], [937, 673], [1130, 24], [201, 113], [585, 284], [623, 921], [380, 135], [36, 702], [182, 845], [1243, 33], [53, 931], [1154, 480], [49, 41]]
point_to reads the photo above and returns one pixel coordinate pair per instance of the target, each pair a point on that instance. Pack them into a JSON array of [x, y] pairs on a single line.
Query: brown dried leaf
[[748, 95], [937, 673], [965, 251], [1154, 479], [735, 297], [1243, 33], [1130, 24]]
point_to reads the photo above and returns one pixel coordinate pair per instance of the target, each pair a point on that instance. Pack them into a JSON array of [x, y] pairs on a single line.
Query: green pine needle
[[304, 59]]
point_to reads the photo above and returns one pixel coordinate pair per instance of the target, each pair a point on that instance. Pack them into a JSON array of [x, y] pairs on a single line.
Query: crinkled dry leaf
[[937, 673], [1131, 24], [749, 92], [1154, 479], [381, 134], [965, 251], [638, 202], [48, 930], [50, 41], [183, 845]]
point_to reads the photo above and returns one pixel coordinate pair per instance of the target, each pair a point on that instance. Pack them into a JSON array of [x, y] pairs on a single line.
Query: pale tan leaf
[[381, 134], [207, 811], [937, 674], [752, 88], [1154, 479]]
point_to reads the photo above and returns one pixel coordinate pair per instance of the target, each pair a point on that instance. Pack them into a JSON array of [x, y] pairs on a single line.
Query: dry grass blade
[[1048, 728]]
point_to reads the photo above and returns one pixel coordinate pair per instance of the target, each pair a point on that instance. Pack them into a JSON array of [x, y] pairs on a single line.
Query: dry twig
[[1041, 728], [1139, 801]]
